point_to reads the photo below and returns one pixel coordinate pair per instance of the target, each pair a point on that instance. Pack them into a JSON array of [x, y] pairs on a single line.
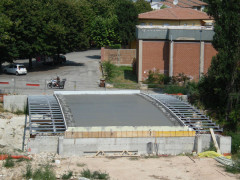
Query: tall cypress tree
[[220, 88]]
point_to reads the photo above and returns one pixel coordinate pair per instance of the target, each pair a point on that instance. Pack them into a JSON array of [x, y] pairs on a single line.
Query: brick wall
[[186, 59], [118, 56], [155, 55], [209, 52]]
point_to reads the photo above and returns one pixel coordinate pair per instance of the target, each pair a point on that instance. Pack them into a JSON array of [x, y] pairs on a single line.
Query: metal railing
[[45, 115], [186, 114]]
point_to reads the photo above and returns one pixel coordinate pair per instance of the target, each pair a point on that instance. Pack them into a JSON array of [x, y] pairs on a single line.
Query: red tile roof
[[174, 14], [168, 4], [199, 2]]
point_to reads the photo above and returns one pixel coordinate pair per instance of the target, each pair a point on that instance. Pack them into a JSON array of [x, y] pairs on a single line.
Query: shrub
[[180, 79], [174, 89], [115, 46], [193, 93], [156, 79], [29, 173], [9, 163], [236, 164], [67, 176], [94, 175], [235, 141], [134, 65], [44, 172], [109, 70]]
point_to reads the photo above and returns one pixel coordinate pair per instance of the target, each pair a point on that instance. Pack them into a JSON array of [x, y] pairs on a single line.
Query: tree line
[[45, 27]]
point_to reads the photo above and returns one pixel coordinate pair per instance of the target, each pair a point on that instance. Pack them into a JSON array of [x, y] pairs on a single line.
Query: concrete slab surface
[[114, 110]]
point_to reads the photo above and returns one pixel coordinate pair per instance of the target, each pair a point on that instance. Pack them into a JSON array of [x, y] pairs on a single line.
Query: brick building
[[172, 48]]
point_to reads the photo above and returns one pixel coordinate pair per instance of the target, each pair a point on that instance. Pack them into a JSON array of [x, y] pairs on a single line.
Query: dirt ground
[[164, 168]]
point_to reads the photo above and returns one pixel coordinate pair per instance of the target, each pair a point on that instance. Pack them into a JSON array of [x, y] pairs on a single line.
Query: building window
[[185, 24], [142, 24], [193, 24], [166, 24], [150, 24]]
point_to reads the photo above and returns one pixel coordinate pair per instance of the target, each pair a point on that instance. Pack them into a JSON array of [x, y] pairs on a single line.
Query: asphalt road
[[81, 71]]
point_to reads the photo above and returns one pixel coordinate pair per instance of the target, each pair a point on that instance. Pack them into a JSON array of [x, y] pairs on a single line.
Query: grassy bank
[[121, 77]]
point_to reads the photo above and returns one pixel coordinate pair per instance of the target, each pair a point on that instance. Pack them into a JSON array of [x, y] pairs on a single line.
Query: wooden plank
[[128, 134], [215, 141]]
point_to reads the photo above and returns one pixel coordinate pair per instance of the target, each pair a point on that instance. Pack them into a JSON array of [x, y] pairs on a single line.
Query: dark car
[[59, 59]]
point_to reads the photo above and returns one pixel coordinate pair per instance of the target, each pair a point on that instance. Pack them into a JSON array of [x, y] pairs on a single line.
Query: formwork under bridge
[[45, 116], [185, 113]]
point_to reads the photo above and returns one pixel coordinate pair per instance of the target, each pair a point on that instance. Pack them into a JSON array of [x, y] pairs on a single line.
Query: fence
[[30, 86], [26, 86]]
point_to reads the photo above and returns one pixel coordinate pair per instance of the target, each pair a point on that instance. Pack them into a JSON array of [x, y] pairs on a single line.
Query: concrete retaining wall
[[15, 103], [203, 142], [42, 144], [86, 146], [162, 145]]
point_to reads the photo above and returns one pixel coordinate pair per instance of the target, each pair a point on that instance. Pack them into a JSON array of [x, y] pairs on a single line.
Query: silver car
[[15, 69]]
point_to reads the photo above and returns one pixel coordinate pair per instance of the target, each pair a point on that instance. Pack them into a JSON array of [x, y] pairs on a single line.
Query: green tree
[[142, 6], [103, 8], [47, 27], [220, 88], [127, 17], [8, 49], [70, 16], [104, 31]]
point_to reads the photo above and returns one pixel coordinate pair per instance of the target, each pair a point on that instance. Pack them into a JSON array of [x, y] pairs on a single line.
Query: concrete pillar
[[171, 59], [201, 67], [60, 145], [102, 53], [140, 60], [118, 56], [199, 144], [224, 143]]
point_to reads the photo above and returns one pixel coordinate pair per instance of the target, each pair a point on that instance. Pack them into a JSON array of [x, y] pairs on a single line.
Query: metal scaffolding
[[45, 115], [186, 114]]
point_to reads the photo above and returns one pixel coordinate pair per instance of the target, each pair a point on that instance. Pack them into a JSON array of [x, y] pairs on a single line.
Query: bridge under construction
[[86, 122]]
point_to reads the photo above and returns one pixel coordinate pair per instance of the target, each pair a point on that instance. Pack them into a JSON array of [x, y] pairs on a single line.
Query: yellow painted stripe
[[129, 134]]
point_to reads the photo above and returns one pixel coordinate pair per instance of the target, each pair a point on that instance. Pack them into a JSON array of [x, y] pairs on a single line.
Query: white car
[[15, 69]]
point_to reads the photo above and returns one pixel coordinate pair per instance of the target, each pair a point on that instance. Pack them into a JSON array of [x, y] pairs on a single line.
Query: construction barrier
[[32, 84], [4, 82]]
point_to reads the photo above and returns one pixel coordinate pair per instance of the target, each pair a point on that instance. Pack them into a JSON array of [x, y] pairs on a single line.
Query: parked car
[[60, 58], [15, 69]]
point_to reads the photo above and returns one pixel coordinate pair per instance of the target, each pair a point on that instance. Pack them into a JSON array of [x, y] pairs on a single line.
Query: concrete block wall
[[203, 142], [118, 56], [42, 144], [224, 143], [84, 146], [14, 103], [162, 145]]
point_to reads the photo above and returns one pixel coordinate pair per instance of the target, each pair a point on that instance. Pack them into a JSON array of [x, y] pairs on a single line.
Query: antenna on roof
[[175, 2]]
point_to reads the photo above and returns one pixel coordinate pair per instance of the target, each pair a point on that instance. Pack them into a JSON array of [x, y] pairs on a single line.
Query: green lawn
[[124, 78]]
